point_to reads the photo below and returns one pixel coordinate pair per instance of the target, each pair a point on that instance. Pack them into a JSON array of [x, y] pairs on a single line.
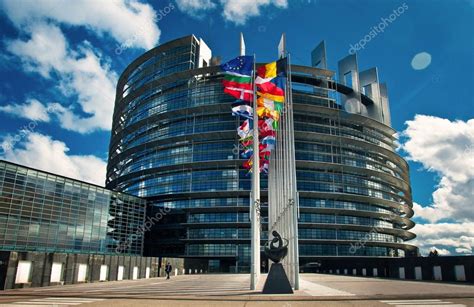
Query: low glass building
[[56, 230], [43, 212], [174, 143]]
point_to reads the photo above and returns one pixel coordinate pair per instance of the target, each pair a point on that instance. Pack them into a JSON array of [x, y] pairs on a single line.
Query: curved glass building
[[174, 143]]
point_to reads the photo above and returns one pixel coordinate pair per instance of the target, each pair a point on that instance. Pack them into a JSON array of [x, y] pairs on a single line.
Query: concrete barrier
[[440, 268], [37, 269]]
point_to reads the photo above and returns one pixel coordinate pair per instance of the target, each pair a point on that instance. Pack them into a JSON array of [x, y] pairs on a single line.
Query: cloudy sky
[[60, 60]]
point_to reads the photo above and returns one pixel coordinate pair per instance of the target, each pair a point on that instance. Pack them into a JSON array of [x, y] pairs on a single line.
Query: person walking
[[168, 269]]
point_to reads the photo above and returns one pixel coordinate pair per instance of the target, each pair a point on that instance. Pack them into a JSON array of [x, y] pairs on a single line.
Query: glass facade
[[174, 142], [49, 213]]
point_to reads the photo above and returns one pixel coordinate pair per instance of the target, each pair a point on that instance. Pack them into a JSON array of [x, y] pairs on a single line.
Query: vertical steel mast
[[282, 188], [255, 203], [294, 198]]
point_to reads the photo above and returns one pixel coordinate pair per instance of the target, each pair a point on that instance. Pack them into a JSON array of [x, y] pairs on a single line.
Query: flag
[[243, 110], [247, 153], [245, 129], [239, 102], [238, 77], [237, 82], [268, 140], [243, 82], [270, 80], [277, 98], [239, 93], [244, 134], [248, 164], [267, 133], [269, 104], [246, 142], [271, 90], [264, 155], [274, 87], [273, 69], [267, 124], [266, 147], [264, 112], [265, 127], [240, 66]]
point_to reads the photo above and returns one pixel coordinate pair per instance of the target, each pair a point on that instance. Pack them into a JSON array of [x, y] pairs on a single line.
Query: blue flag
[[242, 65]]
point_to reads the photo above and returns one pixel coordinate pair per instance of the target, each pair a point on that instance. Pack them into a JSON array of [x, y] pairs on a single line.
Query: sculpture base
[[277, 282]]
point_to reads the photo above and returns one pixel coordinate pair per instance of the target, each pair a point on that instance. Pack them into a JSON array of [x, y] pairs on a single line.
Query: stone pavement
[[232, 290]]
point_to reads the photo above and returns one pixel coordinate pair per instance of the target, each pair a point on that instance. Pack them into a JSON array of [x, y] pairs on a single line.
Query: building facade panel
[[44, 212]]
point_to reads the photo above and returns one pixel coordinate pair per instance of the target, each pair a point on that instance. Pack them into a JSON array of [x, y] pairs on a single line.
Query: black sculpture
[[277, 282], [276, 253]]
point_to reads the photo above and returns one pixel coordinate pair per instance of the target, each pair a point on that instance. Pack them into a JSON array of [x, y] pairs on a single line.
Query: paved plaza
[[232, 290]]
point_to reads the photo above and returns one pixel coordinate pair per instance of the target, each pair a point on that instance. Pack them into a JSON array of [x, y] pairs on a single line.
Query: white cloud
[[421, 60], [42, 152], [445, 237], [237, 12], [195, 7], [32, 109], [447, 148], [80, 73], [125, 20], [46, 49]]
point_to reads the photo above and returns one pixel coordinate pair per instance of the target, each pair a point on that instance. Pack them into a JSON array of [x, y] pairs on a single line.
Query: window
[[82, 273], [120, 273], [56, 272], [103, 272], [214, 265], [348, 79], [23, 272], [367, 90], [135, 273]]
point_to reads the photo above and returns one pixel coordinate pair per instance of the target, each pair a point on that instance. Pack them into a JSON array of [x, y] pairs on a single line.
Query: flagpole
[[295, 196], [255, 205]]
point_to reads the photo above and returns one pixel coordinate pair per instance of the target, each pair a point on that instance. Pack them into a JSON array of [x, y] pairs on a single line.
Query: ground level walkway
[[232, 290]]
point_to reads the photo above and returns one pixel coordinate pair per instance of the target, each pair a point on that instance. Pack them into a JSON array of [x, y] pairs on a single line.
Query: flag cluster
[[270, 83], [238, 82]]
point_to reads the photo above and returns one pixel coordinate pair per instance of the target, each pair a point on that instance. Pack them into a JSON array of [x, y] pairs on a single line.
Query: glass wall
[[44, 212]]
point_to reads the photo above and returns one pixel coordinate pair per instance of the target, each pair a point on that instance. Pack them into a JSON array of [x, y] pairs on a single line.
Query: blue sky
[[50, 53]]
